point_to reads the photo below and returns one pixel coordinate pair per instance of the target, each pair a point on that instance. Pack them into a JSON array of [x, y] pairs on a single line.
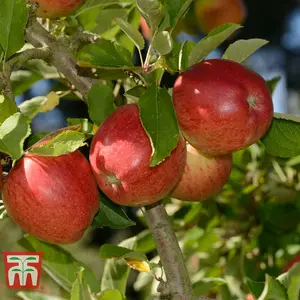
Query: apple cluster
[[221, 107]]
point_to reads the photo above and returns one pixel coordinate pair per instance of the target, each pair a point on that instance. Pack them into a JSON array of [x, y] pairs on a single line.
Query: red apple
[[145, 29], [222, 106], [120, 156], [291, 263], [203, 176], [52, 198], [213, 13], [53, 9]]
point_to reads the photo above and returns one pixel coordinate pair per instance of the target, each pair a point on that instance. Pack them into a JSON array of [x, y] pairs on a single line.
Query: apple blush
[[120, 157], [222, 106]]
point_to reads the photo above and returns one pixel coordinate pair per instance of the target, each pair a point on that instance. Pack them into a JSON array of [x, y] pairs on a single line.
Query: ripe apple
[[222, 106], [213, 13], [120, 156], [52, 198], [145, 29], [203, 176], [55, 8]]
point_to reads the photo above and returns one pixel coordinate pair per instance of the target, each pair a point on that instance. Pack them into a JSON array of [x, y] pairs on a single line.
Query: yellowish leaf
[[52, 100], [95, 128], [139, 265]]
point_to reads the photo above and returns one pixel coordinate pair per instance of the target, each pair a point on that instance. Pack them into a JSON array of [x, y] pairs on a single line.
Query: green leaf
[[7, 108], [256, 288], [177, 60], [108, 251], [242, 49], [33, 139], [99, 20], [116, 272], [80, 290], [110, 74], [272, 83], [214, 39], [104, 54], [279, 217], [163, 42], [204, 285], [13, 16], [110, 295], [13, 132], [152, 11], [100, 102], [51, 101], [22, 80], [86, 126], [60, 264], [145, 242], [184, 54], [111, 215], [64, 143], [176, 9], [133, 18], [291, 280], [133, 95], [159, 120], [273, 290], [37, 296], [283, 137], [132, 33], [91, 4], [172, 58], [30, 108]]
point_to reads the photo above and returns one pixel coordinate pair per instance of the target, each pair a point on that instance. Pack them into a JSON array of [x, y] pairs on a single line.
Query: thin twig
[[21, 58]]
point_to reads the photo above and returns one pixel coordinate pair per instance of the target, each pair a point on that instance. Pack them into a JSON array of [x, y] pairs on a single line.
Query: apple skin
[[222, 106], [53, 9], [120, 156], [213, 13], [145, 29], [52, 198], [203, 176]]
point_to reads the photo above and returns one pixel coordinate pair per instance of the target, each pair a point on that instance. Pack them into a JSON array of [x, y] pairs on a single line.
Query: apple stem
[[178, 285]]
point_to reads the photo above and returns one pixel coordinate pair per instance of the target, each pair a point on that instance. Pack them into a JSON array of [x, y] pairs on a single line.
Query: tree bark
[[178, 285]]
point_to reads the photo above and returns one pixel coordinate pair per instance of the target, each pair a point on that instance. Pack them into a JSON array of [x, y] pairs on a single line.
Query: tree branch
[[19, 59], [178, 285], [61, 56]]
